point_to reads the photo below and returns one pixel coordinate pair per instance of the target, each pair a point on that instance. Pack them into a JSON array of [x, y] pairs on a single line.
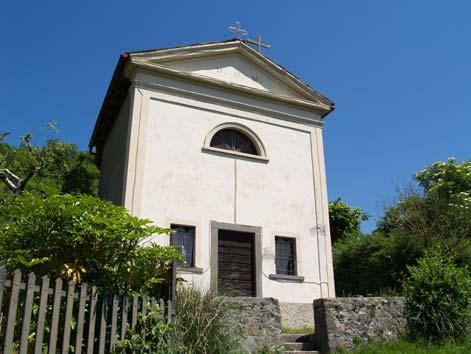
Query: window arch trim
[[261, 152]]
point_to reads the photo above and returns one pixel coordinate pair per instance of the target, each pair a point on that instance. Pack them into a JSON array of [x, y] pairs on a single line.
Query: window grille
[[285, 256], [234, 140], [184, 238]]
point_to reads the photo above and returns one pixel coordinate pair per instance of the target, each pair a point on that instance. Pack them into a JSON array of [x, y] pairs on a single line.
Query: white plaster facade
[[155, 162]]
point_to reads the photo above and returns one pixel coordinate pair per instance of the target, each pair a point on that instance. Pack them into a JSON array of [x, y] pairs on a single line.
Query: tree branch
[[19, 185], [7, 172], [7, 181], [15, 183], [22, 184]]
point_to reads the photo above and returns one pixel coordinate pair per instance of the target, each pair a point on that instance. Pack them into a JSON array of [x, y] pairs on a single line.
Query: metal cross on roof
[[238, 30], [259, 43]]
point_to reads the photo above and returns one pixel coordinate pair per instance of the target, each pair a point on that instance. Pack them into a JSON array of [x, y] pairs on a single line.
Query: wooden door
[[236, 265]]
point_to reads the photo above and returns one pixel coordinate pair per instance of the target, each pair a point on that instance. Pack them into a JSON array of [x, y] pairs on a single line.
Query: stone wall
[[296, 316], [260, 319], [345, 322]]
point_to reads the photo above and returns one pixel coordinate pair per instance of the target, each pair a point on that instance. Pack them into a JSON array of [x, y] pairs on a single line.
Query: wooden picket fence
[[80, 319]]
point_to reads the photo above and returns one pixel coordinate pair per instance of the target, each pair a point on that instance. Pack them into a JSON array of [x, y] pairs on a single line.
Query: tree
[[54, 168], [82, 175], [449, 179], [36, 162], [438, 210], [435, 211], [84, 239], [344, 220]]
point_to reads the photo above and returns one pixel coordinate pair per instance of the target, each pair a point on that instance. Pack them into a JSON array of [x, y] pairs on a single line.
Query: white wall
[[154, 165], [172, 180]]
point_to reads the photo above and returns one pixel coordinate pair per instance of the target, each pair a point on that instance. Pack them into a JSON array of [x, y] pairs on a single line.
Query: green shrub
[[202, 325], [438, 295], [152, 335], [374, 264], [84, 239]]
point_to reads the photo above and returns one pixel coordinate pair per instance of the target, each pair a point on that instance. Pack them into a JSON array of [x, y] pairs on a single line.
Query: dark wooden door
[[236, 265]]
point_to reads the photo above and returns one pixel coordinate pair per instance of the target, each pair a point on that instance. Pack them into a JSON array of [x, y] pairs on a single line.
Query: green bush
[[438, 295], [374, 264], [84, 239], [202, 325], [152, 335]]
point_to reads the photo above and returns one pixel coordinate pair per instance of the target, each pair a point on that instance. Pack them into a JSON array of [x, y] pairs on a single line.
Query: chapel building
[[223, 145]]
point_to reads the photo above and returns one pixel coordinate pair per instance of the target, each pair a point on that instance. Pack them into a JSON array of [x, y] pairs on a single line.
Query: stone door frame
[[256, 231]]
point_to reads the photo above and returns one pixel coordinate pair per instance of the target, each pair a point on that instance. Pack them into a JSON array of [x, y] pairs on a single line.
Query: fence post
[[134, 305], [80, 318], [124, 317], [55, 316], [162, 308], [10, 329], [91, 320], [42, 315], [173, 295], [103, 319], [114, 321], [2, 287], [173, 287], [28, 306]]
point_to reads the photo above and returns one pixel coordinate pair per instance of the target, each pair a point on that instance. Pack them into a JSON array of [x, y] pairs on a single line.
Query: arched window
[[233, 140]]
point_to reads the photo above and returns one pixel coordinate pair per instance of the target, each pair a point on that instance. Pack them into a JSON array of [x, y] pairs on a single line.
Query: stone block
[[260, 320], [345, 322]]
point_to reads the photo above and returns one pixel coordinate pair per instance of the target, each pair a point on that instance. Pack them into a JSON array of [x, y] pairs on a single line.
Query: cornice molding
[[226, 102]]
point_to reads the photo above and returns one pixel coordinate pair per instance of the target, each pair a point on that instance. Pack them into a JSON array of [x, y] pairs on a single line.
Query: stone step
[[300, 346], [292, 338]]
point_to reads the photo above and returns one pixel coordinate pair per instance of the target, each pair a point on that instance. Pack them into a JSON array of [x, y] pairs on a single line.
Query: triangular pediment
[[231, 63], [235, 69]]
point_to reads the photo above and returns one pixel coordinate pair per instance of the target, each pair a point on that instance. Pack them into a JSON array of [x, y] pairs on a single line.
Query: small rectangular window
[[285, 255], [184, 238]]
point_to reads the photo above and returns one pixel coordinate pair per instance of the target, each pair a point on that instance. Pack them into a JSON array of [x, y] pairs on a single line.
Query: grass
[[304, 330], [204, 322], [407, 347]]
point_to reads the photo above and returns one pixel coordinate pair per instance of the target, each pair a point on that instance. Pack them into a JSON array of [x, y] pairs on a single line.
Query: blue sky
[[398, 71]]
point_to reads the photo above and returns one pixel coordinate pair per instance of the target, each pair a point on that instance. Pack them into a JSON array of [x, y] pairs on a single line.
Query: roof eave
[[117, 74]]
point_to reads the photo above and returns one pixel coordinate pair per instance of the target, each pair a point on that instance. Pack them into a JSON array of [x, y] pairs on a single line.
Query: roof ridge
[[183, 46]]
